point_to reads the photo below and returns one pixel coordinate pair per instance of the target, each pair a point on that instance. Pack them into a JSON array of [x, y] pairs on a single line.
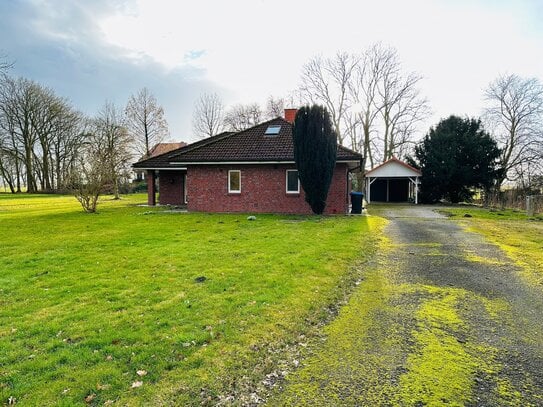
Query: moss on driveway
[[442, 317]]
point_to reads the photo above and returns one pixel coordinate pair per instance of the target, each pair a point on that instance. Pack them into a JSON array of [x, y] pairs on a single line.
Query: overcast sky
[[247, 50]]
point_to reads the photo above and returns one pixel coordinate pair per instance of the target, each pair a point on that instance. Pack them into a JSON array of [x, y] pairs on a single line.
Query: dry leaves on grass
[[90, 397]]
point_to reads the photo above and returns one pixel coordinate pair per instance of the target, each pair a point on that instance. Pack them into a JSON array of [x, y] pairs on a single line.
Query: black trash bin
[[356, 202]]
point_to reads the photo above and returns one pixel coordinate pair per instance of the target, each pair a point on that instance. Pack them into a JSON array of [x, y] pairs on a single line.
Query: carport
[[392, 181]]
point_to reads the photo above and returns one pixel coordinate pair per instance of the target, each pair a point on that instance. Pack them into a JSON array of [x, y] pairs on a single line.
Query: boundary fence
[[518, 199], [534, 204]]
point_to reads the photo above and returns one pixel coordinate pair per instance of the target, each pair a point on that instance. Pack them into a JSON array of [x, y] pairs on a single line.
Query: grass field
[[108, 307]]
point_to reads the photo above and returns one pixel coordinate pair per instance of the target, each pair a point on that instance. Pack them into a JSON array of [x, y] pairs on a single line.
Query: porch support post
[[151, 188]]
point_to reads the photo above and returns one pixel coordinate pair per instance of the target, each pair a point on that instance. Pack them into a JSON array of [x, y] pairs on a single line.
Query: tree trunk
[[116, 188], [30, 181]]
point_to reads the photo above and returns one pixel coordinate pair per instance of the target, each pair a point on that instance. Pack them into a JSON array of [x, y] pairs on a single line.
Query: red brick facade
[[171, 187], [263, 190], [196, 174]]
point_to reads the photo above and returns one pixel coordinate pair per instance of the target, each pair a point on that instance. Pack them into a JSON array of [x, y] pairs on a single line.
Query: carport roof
[[393, 168]]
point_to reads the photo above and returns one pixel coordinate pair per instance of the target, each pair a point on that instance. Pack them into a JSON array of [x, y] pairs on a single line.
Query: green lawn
[[88, 300]]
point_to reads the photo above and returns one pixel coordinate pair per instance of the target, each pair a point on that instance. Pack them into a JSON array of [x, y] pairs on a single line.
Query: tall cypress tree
[[315, 150]]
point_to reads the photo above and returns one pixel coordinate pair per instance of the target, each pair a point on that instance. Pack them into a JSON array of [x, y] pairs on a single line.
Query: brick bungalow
[[248, 171]]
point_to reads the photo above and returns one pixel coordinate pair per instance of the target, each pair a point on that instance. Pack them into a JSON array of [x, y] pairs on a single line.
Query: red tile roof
[[162, 148], [251, 145]]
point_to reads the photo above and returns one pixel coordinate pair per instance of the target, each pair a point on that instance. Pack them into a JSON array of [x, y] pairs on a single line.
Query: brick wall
[[170, 186], [263, 190]]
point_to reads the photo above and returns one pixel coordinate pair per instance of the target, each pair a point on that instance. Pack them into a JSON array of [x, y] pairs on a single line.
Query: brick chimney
[[290, 114]]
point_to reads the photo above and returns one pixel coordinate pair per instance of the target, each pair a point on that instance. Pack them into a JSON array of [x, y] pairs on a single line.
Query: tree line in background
[[460, 155], [47, 145], [375, 108], [210, 116]]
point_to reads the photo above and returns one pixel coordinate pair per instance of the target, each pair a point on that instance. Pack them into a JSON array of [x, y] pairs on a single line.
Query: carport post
[[415, 182], [416, 190], [369, 181], [388, 188]]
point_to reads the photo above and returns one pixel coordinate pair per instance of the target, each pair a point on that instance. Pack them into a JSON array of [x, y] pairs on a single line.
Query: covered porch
[[170, 185]]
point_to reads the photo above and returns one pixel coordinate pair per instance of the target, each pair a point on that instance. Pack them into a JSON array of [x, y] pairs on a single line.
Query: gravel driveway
[[441, 317]]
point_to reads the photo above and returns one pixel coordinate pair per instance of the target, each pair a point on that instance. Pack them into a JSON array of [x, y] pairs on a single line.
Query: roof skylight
[[273, 130]]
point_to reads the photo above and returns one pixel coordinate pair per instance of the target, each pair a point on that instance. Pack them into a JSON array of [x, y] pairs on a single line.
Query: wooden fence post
[[530, 205]]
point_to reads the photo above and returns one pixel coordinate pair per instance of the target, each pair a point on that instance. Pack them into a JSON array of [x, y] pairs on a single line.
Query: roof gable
[[393, 168]]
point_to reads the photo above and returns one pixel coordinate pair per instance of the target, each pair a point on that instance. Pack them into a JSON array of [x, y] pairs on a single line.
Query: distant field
[[88, 300]]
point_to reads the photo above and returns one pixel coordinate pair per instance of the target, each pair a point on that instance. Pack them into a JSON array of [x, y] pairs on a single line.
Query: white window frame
[[234, 191], [286, 183]]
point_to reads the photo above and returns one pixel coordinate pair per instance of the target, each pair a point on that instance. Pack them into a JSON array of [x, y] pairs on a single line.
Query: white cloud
[[257, 48], [250, 49]]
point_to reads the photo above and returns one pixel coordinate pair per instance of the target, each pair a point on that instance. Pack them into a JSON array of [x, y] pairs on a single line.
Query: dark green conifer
[[315, 150], [455, 157]]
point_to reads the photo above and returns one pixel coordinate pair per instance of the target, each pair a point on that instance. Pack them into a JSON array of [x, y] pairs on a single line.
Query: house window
[[234, 181], [293, 183]]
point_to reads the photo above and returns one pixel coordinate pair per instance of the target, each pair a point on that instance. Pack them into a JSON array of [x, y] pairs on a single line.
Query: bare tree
[[241, 117], [4, 64], [88, 179], [208, 115], [515, 117], [17, 108], [68, 136], [402, 109], [395, 96], [365, 105], [274, 107], [112, 143], [8, 164], [35, 126], [145, 121], [326, 81], [373, 105], [55, 123]]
